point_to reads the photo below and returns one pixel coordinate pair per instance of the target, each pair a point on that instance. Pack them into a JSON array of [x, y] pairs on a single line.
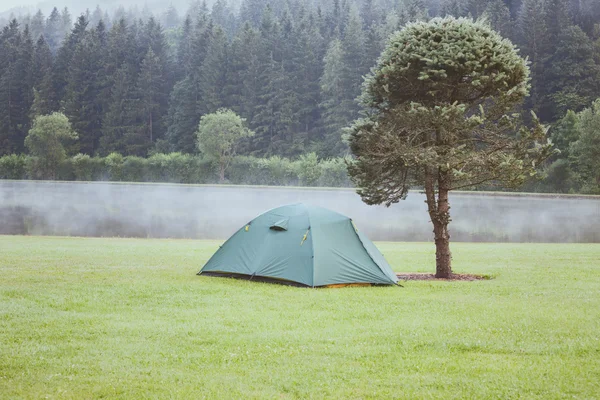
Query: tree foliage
[[219, 135], [46, 141], [293, 69], [439, 114], [584, 153]]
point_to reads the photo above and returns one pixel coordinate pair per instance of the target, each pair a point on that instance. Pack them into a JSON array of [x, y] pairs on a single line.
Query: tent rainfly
[[302, 245]]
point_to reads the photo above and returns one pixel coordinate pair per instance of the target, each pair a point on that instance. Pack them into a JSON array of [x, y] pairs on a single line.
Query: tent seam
[[312, 246], [366, 250]]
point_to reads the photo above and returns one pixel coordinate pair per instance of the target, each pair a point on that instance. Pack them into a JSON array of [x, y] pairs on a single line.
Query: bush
[[181, 168], [114, 166], [86, 168], [184, 168], [134, 169], [309, 171], [13, 166], [281, 171], [204, 171], [334, 173], [156, 168], [33, 168], [243, 170], [65, 171]]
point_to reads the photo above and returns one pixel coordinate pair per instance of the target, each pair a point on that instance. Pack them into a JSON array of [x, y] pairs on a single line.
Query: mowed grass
[[126, 318]]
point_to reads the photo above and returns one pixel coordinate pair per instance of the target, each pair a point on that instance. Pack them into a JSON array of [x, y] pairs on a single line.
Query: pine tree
[[183, 112], [238, 64], [27, 76], [66, 22], [83, 103], [213, 73], [289, 138], [557, 17], [573, 76], [353, 46], [119, 132], [374, 45], [150, 90], [252, 11], [565, 132], [42, 61], [476, 8], [183, 55], [498, 15], [424, 122], [60, 70], [120, 119], [335, 115], [197, 10], [369, 13], [16, 92], [514, 6], [533, 41], [37, 25], [265, 113], [309, 58], [156, 41], [414, 10], [170, 17], [53, 31], [181, 119], [97, 16], [223, 15], [243, 73], [42, 76], [455, 8]]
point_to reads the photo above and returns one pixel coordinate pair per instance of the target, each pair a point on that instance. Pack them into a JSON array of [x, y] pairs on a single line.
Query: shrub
[[180, 168], [156, 168], [13, 166], [184, 168], [334, 173], [204, 171], [114, 166], [86, 168], [134, 169], [242, 170], [65, 171], [281, 171], [309, 171]]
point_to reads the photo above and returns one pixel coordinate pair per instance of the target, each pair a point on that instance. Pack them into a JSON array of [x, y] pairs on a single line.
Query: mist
[[76, 7], [215, 212]]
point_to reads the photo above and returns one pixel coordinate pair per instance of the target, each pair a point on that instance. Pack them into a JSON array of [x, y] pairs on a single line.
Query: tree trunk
[[222, 173], [440, 218], [443, 257]]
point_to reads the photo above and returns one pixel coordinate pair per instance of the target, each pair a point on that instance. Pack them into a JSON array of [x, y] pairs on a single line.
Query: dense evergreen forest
[[137, 84]]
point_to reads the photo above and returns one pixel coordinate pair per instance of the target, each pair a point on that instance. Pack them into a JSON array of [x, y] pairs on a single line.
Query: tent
[[303, 245]]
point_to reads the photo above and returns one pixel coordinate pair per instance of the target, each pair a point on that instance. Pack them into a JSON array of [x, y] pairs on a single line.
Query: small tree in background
[[438, 115], [46, 142], [219, 134]]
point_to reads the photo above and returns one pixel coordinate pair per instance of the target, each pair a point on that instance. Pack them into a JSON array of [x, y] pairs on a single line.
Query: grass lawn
[[125, 318]]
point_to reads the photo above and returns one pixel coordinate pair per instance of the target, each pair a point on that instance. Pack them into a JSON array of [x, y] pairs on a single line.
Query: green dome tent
[[301, 244]]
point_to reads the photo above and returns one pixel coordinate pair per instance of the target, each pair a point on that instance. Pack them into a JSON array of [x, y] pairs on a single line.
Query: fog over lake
[[215, 212]]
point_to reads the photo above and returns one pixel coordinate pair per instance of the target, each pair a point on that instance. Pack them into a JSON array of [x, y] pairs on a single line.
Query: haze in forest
[[79, 6], [135, 81]]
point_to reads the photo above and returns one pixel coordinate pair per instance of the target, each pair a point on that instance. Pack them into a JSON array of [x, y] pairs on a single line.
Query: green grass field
[[122, 318]]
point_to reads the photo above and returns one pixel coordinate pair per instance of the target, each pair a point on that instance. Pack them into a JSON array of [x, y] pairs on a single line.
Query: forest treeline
[[136, 84]]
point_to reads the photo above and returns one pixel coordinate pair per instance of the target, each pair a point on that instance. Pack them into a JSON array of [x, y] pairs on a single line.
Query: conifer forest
[[136, 83]]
